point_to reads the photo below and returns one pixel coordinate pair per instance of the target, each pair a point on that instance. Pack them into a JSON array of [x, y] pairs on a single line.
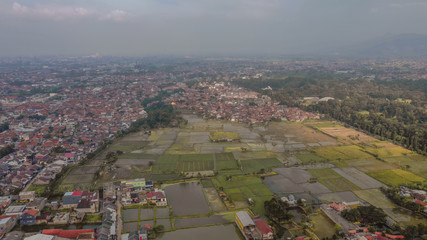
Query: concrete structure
[[14, 210], [27, 196], [247, 226]]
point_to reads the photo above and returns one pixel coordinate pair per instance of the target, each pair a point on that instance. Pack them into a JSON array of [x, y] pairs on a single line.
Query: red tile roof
[[263, 226], [66, 233], [31, 212], [76, 193]]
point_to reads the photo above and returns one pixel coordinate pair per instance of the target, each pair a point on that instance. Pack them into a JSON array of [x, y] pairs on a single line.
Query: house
[[338, 207], [15, 235], [70, 234], [158, 197], [264, 228], [85, 206], [43, 218], [7, 223], [14, 210], [28, 217], [246, 225], [61, 219], [27, 196], [134, 235], [143, 232], [71, 199], [40, 237], [109, 190], [5, 201], [37, 204], [70, 158]]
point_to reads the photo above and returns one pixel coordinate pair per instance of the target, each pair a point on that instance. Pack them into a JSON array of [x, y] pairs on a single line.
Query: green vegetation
[[275, 209], [4, 127], [387, 152], [369, 215], [396, 177], [323, 226], [342, 153], [225, 161], [224, 136], [7, 150], [92, 218], [240, 188], [39, 189], [375, 197], [400, 121], [310, 158], [207, 183], [406, 202], [414, 163], [183, 163], [259, 165], [332, 180]]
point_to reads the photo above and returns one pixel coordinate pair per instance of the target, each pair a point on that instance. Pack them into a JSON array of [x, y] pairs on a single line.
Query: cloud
[[116, 15], [58, 12]]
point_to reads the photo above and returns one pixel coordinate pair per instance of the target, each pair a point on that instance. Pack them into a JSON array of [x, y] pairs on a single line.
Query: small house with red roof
[[338, 207], [158, 197], [28, 217], [264, 228]]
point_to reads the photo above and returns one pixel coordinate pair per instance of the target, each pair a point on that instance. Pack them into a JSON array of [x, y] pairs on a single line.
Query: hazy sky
[[224, 27]]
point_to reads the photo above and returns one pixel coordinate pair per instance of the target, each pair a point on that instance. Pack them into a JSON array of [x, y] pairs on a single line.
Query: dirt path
[[119, 221]]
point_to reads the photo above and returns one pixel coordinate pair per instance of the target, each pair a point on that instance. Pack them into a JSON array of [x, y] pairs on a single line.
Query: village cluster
[[224, 101]]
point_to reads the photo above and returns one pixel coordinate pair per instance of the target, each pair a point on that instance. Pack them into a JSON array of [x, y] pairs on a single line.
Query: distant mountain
[[402, 45]]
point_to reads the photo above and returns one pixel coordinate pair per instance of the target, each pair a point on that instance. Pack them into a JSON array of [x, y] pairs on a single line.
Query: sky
[[200, 27]]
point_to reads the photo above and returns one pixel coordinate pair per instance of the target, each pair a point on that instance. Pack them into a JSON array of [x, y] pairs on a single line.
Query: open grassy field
[[224, 136], [349, 152], [183, 163], [370, 165], [396, 177], [332, 180], [124, 148], [255, 165], [137, 156], [413, 163], [322, 124], [347, 135], [240, 188], [383, 152], [39, 189], [225, 161], [324, 227], [375, 197], [310, 158], [239, 155]]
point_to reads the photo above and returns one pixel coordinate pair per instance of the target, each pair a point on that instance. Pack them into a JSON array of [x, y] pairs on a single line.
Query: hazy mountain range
[[402, 45]]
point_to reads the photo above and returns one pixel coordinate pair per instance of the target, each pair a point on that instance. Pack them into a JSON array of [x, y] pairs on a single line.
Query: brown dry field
[[343, 133], [299, 132]]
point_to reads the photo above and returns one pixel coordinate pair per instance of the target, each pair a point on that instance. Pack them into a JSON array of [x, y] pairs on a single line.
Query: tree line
[[393, 194], [393, 110], [7, 150], [4, 127]]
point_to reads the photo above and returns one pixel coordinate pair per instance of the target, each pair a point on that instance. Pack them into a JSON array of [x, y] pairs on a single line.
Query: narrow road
[[119, 222]]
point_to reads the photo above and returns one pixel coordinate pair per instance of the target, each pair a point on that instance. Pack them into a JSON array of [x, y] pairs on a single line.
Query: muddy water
[[187, 199]]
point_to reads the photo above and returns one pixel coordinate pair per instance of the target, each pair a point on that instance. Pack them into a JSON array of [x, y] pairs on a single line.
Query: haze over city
[[213, 119], [193, 27]]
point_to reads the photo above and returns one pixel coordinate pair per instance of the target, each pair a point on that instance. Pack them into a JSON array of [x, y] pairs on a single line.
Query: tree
[[276, 210], [159, 228]]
